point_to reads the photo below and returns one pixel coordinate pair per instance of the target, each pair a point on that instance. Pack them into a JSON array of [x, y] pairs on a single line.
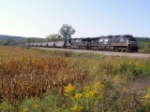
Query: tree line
[[64, 32]]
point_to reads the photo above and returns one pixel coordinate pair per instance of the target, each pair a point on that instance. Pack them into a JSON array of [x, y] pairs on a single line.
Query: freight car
[[117, 43]]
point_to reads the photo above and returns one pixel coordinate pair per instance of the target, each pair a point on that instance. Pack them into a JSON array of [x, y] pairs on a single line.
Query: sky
[[90, 18]]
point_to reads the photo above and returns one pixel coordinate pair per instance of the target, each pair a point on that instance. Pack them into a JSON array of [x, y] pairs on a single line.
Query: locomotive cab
[[132, 44]]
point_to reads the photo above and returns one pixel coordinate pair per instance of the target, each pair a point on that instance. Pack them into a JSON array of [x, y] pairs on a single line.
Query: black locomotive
[[118, 43]]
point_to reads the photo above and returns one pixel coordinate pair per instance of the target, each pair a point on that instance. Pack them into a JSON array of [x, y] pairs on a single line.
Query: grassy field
[[33, 80]]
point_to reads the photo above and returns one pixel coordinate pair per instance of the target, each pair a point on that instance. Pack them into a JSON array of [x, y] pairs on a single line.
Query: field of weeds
[[33, 80], [27, 74]]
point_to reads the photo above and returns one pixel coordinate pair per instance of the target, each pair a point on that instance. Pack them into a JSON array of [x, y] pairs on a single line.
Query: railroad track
[[106, 53]]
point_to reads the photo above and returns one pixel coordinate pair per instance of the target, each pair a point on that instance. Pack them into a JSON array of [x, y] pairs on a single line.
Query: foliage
[[31, 105], [46, 80], [146, 97], [28, 40], [66, 31], [70, 90], [24, 74], [141, 41], [87, 99], [53, 37], [147, 47], [17, 40], [7, 107]]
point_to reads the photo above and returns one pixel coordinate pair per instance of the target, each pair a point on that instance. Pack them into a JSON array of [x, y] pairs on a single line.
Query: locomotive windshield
[[128, 36], [132, 39]]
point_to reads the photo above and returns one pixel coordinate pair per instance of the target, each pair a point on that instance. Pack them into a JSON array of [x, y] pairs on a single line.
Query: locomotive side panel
[[76, 43]]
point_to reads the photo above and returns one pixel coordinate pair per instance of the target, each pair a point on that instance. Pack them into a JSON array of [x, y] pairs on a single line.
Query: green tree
[[66, 31], [52, 37], [28, 40], [147, 47], [32, 40], [5, 43]]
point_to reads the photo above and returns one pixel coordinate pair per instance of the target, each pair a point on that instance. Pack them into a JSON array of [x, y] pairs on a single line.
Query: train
[[119, 43]]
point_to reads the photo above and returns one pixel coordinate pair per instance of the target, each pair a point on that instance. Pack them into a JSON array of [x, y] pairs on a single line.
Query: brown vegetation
[[24, 74]]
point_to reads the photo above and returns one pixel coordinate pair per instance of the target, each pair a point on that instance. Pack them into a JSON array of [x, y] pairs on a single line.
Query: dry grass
[[24, 74]]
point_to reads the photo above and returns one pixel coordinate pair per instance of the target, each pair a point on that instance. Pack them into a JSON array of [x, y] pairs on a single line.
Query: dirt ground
[[106, 53]]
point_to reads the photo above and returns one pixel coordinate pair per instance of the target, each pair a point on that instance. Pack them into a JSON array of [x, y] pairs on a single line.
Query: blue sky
[[90, 18]]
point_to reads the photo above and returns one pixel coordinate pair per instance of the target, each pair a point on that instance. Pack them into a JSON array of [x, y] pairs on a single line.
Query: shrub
[[147, 47], [7, 107]]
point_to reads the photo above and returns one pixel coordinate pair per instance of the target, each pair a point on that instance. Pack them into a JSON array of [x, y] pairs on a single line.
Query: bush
[[6, 107], [147, 47]]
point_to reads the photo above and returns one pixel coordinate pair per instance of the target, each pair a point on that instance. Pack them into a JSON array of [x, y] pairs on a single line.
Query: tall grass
[[23, 74], [35, 80]]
